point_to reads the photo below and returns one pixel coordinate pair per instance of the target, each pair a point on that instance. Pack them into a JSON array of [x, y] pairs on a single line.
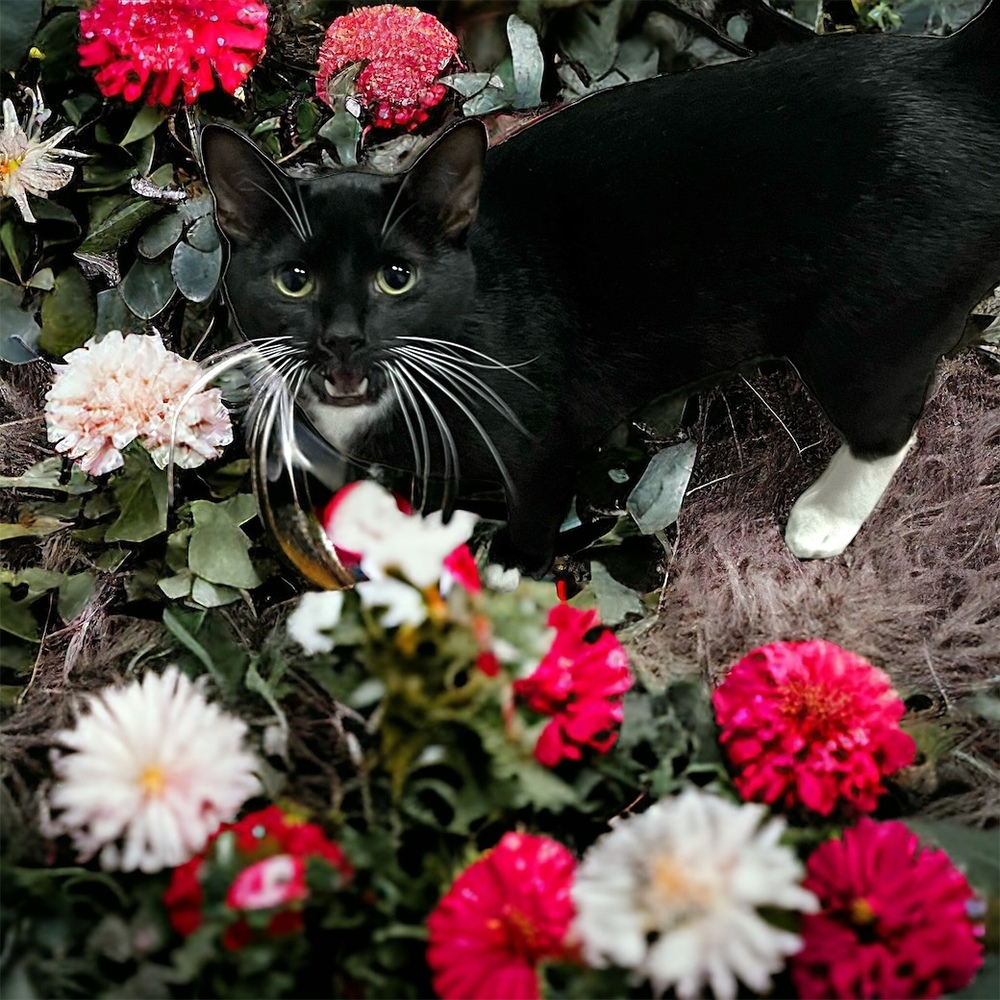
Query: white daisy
[[673, 894], [154, 765], [309, 624], [29, 165]]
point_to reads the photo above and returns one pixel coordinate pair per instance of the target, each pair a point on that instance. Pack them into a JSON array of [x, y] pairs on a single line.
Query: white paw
[[813, 532], [497, 577]]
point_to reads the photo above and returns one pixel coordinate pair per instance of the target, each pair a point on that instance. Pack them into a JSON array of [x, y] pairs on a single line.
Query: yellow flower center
[[862, 914], [8, 165], [674, 887], [153, 781]]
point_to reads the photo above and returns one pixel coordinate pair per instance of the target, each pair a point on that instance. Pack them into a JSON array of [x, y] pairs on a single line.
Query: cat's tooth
[[330, 387], [362, 387]]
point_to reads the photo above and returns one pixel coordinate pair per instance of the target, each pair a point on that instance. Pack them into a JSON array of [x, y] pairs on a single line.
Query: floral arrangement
[[216, 784]]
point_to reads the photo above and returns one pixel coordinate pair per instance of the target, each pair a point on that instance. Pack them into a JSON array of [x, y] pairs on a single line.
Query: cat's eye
[[294, 280], [395, 278]]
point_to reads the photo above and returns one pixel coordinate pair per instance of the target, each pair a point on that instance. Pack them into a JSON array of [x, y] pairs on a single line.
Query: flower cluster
[[811, 724], [401, 52], [580, 683], [28, 163], [164, 45], [263, 862], [110, 393], [152, 763]]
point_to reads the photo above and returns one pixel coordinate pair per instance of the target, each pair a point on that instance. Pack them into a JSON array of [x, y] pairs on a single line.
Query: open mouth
[[344, 388]]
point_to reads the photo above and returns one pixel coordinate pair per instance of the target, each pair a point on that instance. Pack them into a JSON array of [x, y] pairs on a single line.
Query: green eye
[[293, 280], [395, 278]]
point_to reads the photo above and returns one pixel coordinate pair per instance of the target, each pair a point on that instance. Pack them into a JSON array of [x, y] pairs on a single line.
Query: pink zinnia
[[580, 683], [504, 914], [402, 52], [808, 723], [166, 44], [894, 919]]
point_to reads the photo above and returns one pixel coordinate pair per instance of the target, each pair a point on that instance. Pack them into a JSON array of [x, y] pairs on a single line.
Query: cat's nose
[[342, 338]]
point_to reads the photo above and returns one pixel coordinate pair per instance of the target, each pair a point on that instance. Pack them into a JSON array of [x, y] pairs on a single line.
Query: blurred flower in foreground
[[167, 44], [155, 764], [580, 683], [808, 723], [263, 862], [894, 919], [401, 50], [503, 915], [673, 894], [29, 164], [316, 613], [108, 394]]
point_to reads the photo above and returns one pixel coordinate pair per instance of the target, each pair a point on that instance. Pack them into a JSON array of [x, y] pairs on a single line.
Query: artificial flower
[[893, 922], [460, 567], [28, 163], [401, 52], [110, 393], [401, 603], [264, 857], [166, 44], [580, 683], [808, 723], [155, 764], [365, 521], [317, 612], [673, 894], [504, 914]]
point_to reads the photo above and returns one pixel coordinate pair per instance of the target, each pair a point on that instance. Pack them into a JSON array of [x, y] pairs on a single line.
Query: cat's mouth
[[343, 388]]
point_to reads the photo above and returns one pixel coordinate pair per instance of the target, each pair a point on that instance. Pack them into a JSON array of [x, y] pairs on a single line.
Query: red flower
[[271, 848], [166, 44], [503, 915], [460, 565], [580, 683], [402, 52], [810, 723], [894, 920]]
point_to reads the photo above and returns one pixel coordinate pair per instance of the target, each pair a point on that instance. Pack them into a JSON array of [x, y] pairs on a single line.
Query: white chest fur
[[341, 424]]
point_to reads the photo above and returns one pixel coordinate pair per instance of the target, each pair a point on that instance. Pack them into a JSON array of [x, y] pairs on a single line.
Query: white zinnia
[[110, 393], [673, 894], [154, 764], [318, 611], [29, 165]]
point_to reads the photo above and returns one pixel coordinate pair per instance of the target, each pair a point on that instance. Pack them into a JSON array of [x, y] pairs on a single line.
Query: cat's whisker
[[288, 209], [386, 228], [421, 445], [471, 350]]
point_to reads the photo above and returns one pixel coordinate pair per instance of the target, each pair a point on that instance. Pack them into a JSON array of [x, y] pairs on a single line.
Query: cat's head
[[329, 273]]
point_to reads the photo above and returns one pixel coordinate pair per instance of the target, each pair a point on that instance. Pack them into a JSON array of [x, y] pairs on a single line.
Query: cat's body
[[836, 203]]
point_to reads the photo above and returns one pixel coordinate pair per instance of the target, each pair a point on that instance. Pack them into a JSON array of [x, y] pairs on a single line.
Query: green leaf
[[68, 313], [74, 595], [528, 62], [203, 235], [108, 235], [16, 241], [44, 280], [208, 595], [177, 627], [19, 23], [656, 500], [178, 586], [343, 131], [16, 617], [18, 330], [31, 527], [114, 314], [196, 273], [615, 601], [467, 84], [46, 475], [141, 492], [145, 123], [218, 550], [974, 851], [161, 235], [148, 288]]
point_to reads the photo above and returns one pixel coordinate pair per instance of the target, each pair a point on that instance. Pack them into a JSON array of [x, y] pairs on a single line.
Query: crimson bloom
[[402, 52], [503, 915], [166, 44], [808, 723], [894, 919], [268, 872], [580, 683]]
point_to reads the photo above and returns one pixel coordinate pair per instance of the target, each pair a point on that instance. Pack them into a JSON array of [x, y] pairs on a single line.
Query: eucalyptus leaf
[[68, 313], [196, 273], [466, 84], [148, 288], [528, 62], [141, 492], [589, 37], [343, 132], [112, 231], [208, 595], [74, 595], [146, 122], [31, 527], [615, 601], [18, 330], [177, 586], [16, 617], [17, 243], [161, 235], [656, 500], [203, 235], [44, 280], [114, 314], [486, 101], [218, 550]]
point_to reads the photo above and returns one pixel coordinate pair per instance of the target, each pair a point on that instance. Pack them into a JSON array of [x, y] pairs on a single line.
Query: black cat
[[488, 315]]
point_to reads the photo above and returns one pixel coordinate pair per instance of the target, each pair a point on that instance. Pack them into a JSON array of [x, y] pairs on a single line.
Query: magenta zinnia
[[166, 44], [580, 683], [893, 921], [503, 915], [810, 724], [401, 52]]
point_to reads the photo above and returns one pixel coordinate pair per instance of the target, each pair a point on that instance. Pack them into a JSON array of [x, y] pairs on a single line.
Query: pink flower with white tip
[[274, 881]]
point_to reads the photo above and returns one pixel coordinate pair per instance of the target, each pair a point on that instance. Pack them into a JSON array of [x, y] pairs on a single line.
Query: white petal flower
[[156, 766], [124, 388], [673, 894], [317, 612], [29, 165], [402, 603]]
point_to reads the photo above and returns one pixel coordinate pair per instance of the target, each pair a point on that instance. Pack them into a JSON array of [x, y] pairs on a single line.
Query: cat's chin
[[339, 420]]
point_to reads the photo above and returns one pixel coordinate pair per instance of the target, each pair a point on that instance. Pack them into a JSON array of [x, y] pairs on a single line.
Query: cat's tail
[[981, 35]]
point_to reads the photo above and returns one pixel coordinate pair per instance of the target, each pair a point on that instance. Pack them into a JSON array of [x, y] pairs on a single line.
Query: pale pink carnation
[[129, 388]]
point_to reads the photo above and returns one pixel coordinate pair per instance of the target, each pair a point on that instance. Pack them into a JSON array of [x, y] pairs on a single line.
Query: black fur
[[836, 203]]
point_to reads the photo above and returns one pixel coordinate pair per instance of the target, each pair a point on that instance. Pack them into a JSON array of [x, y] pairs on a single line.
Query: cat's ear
[[245, 183], [445, 181]]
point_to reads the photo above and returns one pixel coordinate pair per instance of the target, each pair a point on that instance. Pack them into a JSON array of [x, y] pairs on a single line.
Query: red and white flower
[[400, 52], [504, 914], [156, 47], [275, 881], [811, 724]]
